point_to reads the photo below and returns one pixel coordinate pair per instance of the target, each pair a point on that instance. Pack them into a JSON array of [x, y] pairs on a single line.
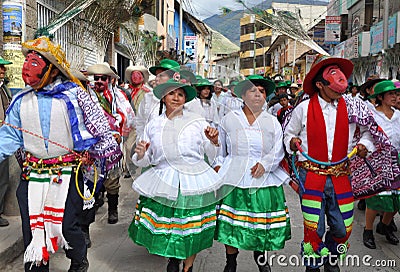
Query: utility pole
[[385, 24], [180, 31]]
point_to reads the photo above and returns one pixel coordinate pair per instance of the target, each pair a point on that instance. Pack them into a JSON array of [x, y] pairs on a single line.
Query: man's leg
[[22, 197], [112, 187], [4, 181], [71, 228]]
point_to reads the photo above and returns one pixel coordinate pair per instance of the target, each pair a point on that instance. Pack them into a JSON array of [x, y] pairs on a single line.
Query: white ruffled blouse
[[243, 145], [176, 152]]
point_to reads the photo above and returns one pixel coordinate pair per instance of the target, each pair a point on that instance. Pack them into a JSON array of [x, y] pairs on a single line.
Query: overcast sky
[[203, 9]]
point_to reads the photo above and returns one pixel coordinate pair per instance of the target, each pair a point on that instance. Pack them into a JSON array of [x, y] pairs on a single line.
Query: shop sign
[[332, 29], [376, 38], [392, 28], [190, 47], [12, 22], [339, 50], [351, 48]]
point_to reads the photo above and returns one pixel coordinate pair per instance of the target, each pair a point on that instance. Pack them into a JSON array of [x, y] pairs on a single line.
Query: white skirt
[[167, 182]]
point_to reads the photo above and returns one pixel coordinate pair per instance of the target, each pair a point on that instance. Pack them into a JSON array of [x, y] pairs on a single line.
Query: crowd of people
[[213, 158]]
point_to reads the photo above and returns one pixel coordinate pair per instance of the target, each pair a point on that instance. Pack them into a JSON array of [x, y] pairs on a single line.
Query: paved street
[[113, 250]]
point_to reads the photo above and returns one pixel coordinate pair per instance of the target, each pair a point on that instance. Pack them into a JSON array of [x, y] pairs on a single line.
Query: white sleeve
[[146, 160], [140, 119], [276, 154], [293, 128], [366, 139]]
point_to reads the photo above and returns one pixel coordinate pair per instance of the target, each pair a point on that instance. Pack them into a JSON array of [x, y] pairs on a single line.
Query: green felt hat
[[281, 84], [160, 90], [204, 82], [249, 82], [165, 64], [4, 62], [384, 87]]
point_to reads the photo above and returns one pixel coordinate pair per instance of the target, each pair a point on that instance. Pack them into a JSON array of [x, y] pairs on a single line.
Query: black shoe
[[261, 261], [88, 242], [231, 262], [82, 266], [127, 175], [390, 235], [368, 239], [3, 222], [361, 205], [393, 225], [112, 217], [309, 269], [380, 228], [173, 265]]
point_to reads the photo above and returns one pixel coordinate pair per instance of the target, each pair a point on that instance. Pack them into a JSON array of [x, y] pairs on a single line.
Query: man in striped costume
[[327, 126]]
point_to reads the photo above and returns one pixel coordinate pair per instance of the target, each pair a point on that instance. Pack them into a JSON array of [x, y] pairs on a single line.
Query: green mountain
[[229, 24]]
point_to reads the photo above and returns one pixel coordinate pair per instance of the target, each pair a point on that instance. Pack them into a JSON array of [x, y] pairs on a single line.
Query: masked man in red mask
[[121, 116], [61, 129], [327, 127], [137, 76]]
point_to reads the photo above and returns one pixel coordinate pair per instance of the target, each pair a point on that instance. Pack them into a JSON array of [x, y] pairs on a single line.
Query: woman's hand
[[141, 148], [212, 135], [257, 170]]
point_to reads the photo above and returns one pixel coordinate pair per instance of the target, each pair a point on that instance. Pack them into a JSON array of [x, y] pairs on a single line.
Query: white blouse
[[297, 127], [176, 152], [243, 145], [391, 127]]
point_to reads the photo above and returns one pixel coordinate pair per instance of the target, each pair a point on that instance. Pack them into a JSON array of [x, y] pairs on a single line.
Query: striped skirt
[[255, 220], [172, 232]]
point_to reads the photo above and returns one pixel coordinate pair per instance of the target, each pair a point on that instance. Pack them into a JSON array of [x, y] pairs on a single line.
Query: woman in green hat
[[253, 214], [175, 215], [204, 93], [385, 95]]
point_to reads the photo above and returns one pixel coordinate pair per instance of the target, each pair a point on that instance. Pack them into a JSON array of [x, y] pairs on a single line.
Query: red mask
[[337, 80], [32, 70], [137, 77]]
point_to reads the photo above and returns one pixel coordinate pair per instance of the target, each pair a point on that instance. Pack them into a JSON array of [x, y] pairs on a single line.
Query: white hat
[[141, 69], [101, 69], [294, 85]]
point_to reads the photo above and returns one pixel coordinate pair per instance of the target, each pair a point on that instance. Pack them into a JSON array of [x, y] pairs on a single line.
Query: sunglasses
[[103, 78]]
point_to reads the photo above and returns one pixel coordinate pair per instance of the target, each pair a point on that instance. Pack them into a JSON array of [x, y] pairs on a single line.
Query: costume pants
[[71, 228], [4, 181], [334, 218]]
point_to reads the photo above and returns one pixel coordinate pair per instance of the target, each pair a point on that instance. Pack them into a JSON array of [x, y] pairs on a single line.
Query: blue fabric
[[11, 139]]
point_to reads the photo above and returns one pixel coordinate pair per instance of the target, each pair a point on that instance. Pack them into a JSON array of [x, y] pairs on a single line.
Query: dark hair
[[199, 89], [219, 82], [319, 78], [283, 96]]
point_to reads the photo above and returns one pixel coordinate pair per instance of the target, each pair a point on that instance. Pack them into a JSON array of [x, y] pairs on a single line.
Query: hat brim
[[5, 62], [345, 65], [246, 84], [143, 70], [101, 69], [153, 69], [161, 90], [376, 94]]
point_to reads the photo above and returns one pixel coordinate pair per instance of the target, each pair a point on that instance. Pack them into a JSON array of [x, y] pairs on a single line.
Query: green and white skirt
[[172, 232], [256, 220], [387, 201]]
